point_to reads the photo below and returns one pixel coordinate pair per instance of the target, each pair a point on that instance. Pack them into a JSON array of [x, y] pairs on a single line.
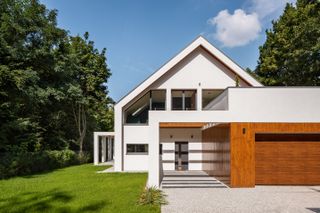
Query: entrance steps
[[189, 179]]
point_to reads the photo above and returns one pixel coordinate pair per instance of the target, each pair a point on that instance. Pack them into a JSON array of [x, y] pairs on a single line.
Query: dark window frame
[[183, 99], [149, 94], [135, 149], [208, 89]]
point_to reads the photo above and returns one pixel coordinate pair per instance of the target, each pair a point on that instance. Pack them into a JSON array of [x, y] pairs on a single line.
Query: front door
[[181, 156]]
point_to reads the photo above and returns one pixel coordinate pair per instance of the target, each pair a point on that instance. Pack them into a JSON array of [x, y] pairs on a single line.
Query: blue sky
[[142, 35]]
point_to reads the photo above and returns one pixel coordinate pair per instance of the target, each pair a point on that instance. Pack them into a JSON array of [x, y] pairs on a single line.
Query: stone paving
[[291, 199]]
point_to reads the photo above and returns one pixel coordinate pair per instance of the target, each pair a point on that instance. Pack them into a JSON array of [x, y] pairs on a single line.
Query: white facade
[[169, 136], [199, 67]]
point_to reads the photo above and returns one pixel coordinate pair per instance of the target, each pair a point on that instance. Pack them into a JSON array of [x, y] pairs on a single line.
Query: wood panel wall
[[288, 163], [216, 157], [242, 155], [252, 164]]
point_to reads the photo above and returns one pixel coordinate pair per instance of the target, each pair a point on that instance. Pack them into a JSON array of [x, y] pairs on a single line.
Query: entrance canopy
[[106, 139]]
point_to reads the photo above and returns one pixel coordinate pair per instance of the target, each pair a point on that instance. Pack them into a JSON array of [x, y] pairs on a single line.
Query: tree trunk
[[80, 118]]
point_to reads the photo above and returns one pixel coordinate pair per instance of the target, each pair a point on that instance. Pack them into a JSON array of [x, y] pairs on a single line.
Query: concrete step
[[190, 181], [194, 186], [188, 178]]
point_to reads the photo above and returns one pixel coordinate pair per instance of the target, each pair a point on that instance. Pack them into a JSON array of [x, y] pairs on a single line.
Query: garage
[[270, 153], [287, 158]]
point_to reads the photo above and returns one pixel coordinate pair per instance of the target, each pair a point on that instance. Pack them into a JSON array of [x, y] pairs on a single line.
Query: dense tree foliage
[[53, 91], [291, 53]]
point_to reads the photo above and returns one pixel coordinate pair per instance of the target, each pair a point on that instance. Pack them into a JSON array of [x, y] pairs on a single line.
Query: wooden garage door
[[287, 159]]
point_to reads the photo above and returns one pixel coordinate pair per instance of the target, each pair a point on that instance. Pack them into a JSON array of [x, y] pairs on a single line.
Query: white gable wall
[[198, 70], [192, 68]]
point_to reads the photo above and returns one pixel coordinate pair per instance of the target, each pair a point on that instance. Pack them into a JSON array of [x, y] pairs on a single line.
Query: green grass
[[74, 189]]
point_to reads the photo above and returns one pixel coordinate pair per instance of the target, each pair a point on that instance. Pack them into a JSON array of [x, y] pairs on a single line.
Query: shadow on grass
[[37, 174], [53, 201]]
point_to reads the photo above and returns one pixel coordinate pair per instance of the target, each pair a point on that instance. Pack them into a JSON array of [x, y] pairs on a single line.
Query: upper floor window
[[209, 95], [138, 111], [158, 99], [183, 99]]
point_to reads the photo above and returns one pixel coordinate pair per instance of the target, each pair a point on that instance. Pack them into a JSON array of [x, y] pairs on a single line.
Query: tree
[[31, 76], [53, 90], [291, 53], [88, 91], [49, 81]]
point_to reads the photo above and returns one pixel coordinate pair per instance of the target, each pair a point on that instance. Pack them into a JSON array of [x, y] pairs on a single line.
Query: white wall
[[118, 138], [182, 135], [199, 69], [275, 104], [136, 162], [245, 105], [135, 134], [192, 68]]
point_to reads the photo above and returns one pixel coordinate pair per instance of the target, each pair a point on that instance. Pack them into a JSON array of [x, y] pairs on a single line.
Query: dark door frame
[[178, 161]]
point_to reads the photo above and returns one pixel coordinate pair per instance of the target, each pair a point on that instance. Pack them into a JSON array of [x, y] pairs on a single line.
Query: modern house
[[202, 112]]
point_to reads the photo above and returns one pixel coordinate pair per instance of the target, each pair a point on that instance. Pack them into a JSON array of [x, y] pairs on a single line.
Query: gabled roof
[[199, 41]]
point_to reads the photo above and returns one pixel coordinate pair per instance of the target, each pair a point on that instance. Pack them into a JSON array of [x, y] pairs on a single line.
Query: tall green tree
[[88, 91], [52, 85], [31, 48], [291, 53]]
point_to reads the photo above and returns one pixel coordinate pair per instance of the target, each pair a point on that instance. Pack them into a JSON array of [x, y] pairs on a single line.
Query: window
[[137, 113], [183, 99], [176, 100], [137, 148], [209, 95], [158, 99]]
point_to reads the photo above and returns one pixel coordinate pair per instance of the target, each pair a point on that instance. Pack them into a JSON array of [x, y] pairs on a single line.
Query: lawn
[[74, 189]]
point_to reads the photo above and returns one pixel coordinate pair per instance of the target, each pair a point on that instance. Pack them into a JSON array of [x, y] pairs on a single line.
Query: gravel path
[[289, 199]]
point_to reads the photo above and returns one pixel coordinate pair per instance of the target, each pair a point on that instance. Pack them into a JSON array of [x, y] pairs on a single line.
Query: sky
[[142, 35]]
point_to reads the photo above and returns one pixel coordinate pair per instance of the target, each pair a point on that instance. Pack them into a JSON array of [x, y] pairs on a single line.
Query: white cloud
[[245, 25], [236, 29], [268, 8]]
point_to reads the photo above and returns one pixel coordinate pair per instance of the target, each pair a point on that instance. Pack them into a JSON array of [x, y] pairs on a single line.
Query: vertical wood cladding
[[216, 142], [242, 151]]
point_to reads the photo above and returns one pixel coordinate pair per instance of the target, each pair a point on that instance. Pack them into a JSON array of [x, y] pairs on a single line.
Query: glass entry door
[[181, 156]]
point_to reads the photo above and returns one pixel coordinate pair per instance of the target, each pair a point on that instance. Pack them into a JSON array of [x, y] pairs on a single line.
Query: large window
[[137, 113], [183, 99], [209, 95], [158, 99], [137, 148]]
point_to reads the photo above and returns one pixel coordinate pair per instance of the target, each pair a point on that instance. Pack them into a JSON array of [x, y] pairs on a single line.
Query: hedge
[[17, 164]]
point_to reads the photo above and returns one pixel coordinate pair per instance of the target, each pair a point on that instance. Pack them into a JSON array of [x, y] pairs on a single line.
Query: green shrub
[[26, 163], [86, 157], [152, 196], [58, 159]]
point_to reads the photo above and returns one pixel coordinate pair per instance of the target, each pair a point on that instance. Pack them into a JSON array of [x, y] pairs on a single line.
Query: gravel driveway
[[289, 199]]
